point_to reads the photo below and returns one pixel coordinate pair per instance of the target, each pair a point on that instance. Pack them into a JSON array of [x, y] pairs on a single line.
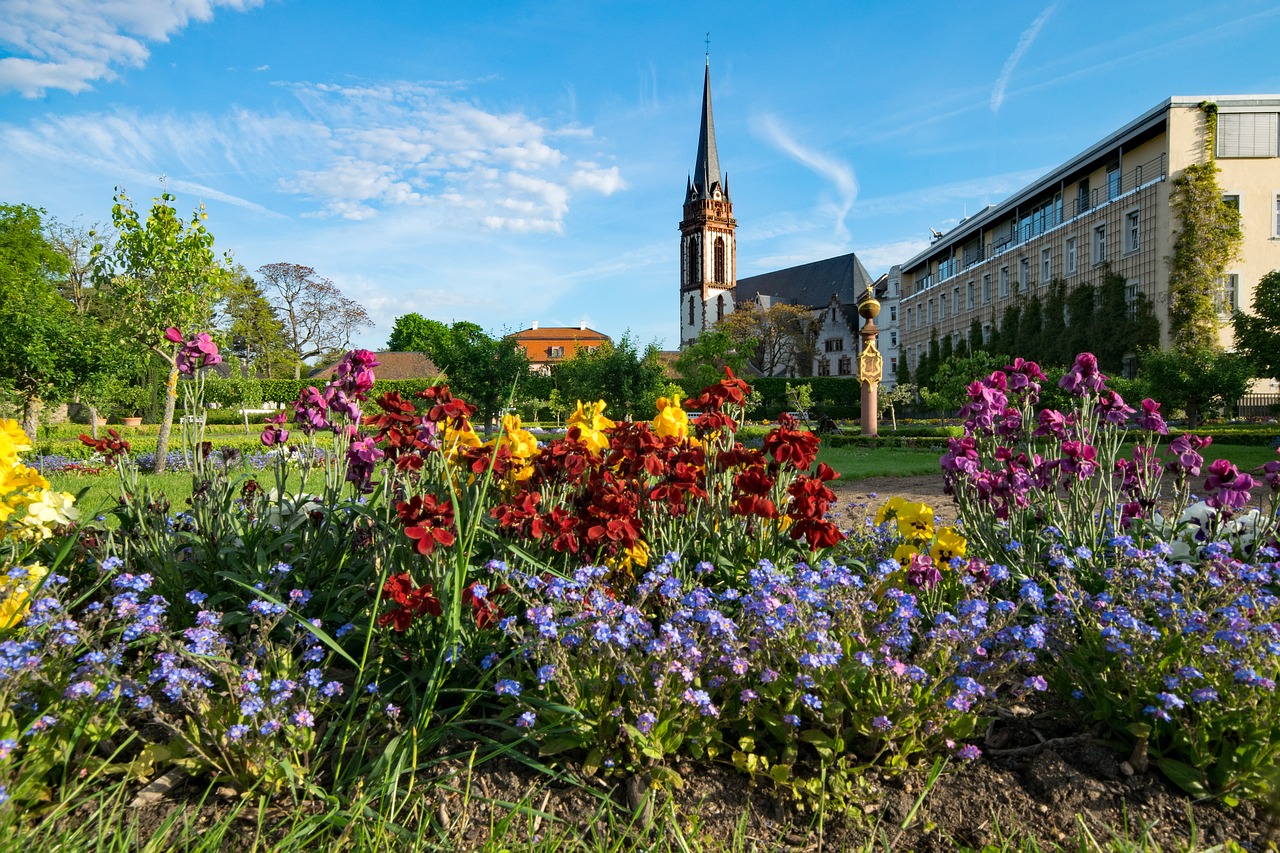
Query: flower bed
[[630, 595]]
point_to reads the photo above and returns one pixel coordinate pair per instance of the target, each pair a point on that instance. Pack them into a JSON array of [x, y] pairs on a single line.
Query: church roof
[[706, 169], [811, 285]]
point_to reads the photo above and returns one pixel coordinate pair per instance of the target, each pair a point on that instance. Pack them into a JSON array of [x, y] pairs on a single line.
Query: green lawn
[[102, 490], [856, 463]]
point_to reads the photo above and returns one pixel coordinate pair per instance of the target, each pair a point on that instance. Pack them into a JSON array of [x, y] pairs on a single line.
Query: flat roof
[[1139, 125]]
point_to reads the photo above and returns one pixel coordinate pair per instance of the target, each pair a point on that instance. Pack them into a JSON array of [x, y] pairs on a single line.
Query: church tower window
[[690, 310], [719, 308], [695, 268], [720, 271]]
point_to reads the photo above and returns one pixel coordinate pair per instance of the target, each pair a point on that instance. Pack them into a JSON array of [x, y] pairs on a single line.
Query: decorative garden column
[[870, 364]]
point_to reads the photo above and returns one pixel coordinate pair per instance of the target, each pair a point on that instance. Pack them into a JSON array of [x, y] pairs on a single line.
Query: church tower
[[708, 249]]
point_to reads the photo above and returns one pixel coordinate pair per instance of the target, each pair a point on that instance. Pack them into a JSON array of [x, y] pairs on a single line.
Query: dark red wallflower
[[521, 514], [794, 447], [411, 602], [445, 406], [110, 447], [487, 614], [427, 521]]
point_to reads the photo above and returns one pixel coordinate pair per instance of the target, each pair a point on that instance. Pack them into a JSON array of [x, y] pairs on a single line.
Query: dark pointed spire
[[706, 169]]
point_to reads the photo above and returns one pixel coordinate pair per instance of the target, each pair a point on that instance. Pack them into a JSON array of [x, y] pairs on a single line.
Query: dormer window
[[555, 352]]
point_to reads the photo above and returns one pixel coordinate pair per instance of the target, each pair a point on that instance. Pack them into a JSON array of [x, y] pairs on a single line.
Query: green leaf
[[1184, 776], [666, 777]]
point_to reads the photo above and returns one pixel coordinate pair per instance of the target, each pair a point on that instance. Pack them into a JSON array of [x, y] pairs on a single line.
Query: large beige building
[[1108, 207]]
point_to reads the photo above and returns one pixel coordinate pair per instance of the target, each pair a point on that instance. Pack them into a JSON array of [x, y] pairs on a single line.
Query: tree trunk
[[297, 370], [93, 421], [31, 416], [166, 423]]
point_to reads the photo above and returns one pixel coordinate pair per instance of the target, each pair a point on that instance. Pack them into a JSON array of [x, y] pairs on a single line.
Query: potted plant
[[128, 404]]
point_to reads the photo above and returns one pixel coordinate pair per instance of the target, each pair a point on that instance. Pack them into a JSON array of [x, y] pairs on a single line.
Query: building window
[[1071, 256], [720, 268], [1132, 231], [986, 333], [719, 308], [893, 366], [1046, 266], [1247, 135], [1004, 282], [1082, 196], [1024, 274], [930, 320], [694, 263], [911, 316], [1131, 299], [942, 307], [986, 289], [1113, 181], [824, 367], [690, 310], [893, 339], [893, 313], [1276, 218], [1100, 244], [558, 352], [1224, 297], [845, 365], [970, 297], [1232, 200], [835, 344]]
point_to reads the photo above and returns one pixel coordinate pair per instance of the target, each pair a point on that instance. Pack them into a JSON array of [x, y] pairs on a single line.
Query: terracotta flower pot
[[131, 421]]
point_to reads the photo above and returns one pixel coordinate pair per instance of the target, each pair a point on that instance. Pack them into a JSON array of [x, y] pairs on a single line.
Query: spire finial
[[708, 43]]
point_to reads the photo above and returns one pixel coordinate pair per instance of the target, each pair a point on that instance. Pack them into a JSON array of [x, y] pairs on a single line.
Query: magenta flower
[[362, 458], [922, 573], [197, 352], [309, 411], [1151, 420], [1083, 377], [1229, 485], [1186, 461], [355, 373], [172, 335], [274, 433]]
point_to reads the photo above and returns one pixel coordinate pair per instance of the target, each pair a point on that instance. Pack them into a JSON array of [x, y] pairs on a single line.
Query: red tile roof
[[540, 344], [393, 365]]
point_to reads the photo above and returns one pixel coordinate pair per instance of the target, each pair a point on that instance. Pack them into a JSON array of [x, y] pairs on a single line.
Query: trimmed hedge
[[1241, 435]]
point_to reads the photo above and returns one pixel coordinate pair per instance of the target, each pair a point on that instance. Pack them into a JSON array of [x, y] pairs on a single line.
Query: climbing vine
[[1207, 243]]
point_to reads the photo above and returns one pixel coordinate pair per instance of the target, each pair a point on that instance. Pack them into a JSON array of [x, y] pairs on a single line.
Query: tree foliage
[[947, 391], [628, 380], [1197, 379], [479, 367], [317, 318], [1258, 334], [702, 362], [774, 338], [252, 330]]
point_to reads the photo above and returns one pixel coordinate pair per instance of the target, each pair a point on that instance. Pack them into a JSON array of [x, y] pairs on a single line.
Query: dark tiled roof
[[393, 365], [810, 285]]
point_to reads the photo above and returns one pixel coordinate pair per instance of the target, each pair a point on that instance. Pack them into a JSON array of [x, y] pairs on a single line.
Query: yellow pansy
[[889, 510], [915, 521], [903, 554], [671, 420], [949, 544], [13, 608]]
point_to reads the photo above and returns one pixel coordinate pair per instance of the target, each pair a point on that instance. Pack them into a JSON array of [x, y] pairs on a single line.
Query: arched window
[[719, 308], [690, 310], [720, 274], [693, 263]]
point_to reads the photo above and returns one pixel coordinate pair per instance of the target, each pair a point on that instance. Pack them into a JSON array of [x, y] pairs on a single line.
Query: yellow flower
[[53, 508], [890, 509], [522, 445], [915, 521], [591, 422], [903, 553], [627, 558], [948, 544], [671, 419], [13, 608], [12, 442], [15, 594]]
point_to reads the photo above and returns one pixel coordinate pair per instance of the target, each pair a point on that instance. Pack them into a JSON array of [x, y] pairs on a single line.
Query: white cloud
[[885, 255], [1024, 42], [589, 176], [839, 173], [67, 44]]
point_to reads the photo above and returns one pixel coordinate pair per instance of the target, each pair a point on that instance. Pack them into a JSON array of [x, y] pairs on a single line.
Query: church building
[[710, 288]]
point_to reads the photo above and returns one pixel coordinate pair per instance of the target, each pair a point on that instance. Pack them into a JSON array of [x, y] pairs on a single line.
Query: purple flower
[[881, 723], [526, 720], [968, 752], [1083, 377], [304, 718], [1036, 682], [507, 687]]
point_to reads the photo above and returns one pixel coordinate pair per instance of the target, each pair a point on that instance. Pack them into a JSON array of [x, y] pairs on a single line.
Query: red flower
[[797, 448], [109, 447], [521, 514], [487, 614], [427, 521], [411, 602]]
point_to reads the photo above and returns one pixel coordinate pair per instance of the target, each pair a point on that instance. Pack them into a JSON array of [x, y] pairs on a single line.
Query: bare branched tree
[[317, 318]]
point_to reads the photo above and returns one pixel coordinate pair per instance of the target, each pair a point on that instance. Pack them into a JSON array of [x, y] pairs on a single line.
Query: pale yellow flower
[[671, 420]]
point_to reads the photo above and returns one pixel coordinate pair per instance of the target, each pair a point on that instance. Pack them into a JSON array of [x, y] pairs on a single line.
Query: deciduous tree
[[774, 338], [317, 318], [1258, 334], [161, 272]]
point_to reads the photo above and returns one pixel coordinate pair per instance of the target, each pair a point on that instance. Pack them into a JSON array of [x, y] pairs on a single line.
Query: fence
[[1258, 405]]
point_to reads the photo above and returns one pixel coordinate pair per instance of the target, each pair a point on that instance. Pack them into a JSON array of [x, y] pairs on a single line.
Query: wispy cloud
[[68, 44], [839, 173], [1010, 64]]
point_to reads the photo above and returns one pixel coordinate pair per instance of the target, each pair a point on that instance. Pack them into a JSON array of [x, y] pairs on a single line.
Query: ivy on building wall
[[1208, 241]]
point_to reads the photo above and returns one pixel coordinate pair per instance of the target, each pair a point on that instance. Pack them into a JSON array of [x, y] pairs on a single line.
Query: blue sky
[[511, 162]]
